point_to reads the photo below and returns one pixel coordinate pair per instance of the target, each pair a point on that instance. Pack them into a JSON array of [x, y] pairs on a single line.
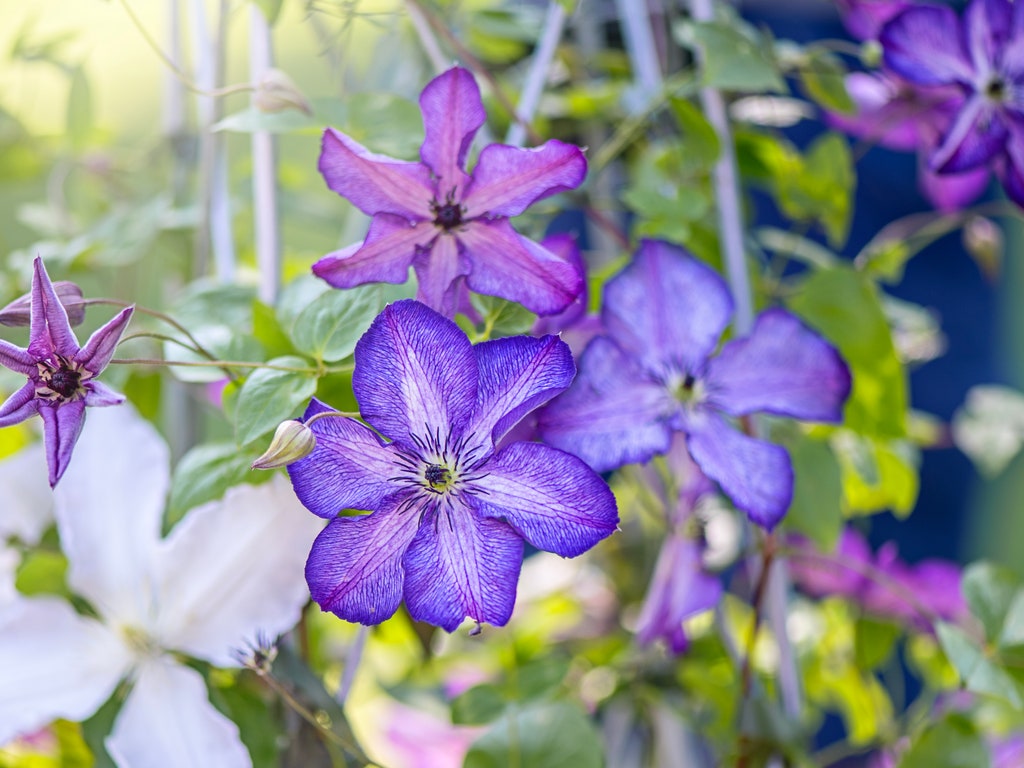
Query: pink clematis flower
[[451, 226]]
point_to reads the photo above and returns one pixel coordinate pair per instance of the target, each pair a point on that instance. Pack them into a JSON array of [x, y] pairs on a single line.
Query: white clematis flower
[[228, 571]]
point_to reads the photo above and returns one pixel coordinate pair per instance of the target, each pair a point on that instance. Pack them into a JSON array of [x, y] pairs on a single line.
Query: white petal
[[27, 510], [234, 568], [109, 506], [168, 722], [9, 561], [54, 663]]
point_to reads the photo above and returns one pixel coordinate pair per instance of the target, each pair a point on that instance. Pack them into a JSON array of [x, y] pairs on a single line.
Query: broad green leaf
[[269, 396], [548, 735], [823, 78], [73, 752], [206, 471], [538, 677], [251, 120], [844, 306], [42, 573], [297, 296], [990, 589], [734, 56], [877, 474], [831, 178], [1012, 634], [951, 742], [989, 427], [875, 641], [817, 507], [330, 326], [699, 141], [479, 705], [979, 673]]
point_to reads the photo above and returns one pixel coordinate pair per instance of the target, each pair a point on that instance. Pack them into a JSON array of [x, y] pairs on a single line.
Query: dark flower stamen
[[65, 382]]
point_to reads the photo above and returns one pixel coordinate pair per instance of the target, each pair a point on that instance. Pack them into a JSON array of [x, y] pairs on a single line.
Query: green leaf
[[42, 573], [875, 641], [832, 181], [549, 735], [251, 120], [844, 305], [816, 510], [699, 141], [979, 673], [268, 397], [877, 474], [734, 56], [330, 326], [257, 727], [823, 77], [952, 742], [538, 677], [1012, 633], [990, 590], [206, 471], [989, 427], [479, 705], [271, 9]]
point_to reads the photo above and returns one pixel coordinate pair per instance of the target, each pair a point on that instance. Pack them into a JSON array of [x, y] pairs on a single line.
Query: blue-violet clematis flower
[[982, 55], [450, 226], [61, 375], [653, 374], [450, 502]]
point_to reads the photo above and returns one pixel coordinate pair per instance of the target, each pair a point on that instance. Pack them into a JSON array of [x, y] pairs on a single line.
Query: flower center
[[447, 215], [59, 382], [995, 89], [688, 390], [438, 477]]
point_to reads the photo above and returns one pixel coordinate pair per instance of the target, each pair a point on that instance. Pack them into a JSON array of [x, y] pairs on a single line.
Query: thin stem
[[529, 97], [352, 659], [224, 364], [199, 348], [427, 39]]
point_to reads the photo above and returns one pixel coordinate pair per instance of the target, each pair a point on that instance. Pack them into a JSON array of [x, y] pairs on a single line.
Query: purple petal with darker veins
[[977, 135], [517, 375], [415, 374], [348, 468], [986, 25], [98, 394], [510, 266], [554, 500], [19, 406], [17, 359], [668, 308], [100, 347], [355, 569], [950, 192], [925, 45], [755, 474], [782, 367], [438, 270], [50, 329], [508, 180], [459, 566], [613, 414], [375, 183], [452, 114], [383, 257], [62, 424], [680, 588], [564, 247]]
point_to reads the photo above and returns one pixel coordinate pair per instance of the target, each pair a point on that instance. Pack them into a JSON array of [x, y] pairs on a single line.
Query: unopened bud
[[19, 311], [292, 441], [276, 92], [983, 240]]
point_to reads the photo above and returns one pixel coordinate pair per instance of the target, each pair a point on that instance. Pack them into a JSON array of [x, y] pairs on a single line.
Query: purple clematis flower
[[449, 509], [653, 374], [61, 375], [451, 226], [982, 55]]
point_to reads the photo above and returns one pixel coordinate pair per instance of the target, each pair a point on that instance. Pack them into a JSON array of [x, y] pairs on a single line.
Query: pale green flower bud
[[292, 441]]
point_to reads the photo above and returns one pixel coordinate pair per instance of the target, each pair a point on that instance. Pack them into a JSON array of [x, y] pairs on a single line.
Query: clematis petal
[[98, 350], [452, 114], [925, 45], [864, 18], [50, 329], [17, 359], [508, 180], [19, 406], [415, 373], [883, 114], [355, 569], [62, 424], [383, 257], [1011, 169], [168, 722], [438, 270], [54, 663], [755, 474], [668, 308], [950, 192], [680, 588], [612, 414], [98, 394], [109, 508], [233, 569], [552, 499], [517, 375], [508, 265], [782, 367], [348, 469], [375, 183], [987, 24], [977, 135], [28, 502], [573, 317], [459, 566]]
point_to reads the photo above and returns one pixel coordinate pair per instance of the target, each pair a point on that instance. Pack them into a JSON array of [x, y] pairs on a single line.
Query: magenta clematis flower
[[61, 375], [448, 509], [450, 226], [652, 374], [981, 55], [864, 18]]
